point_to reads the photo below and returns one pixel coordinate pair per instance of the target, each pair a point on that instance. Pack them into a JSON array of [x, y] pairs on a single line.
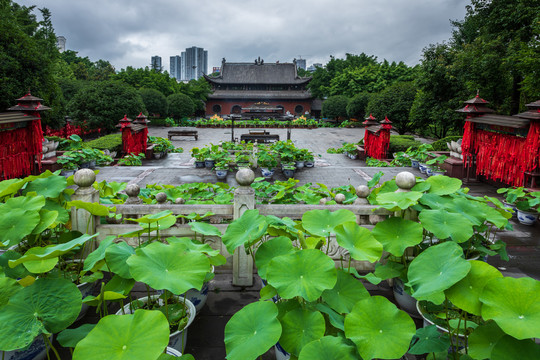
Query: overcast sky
[[129, 32]]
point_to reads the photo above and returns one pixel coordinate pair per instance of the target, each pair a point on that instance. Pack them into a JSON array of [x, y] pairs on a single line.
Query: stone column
[[82, 220], [405, 182], [244, 199]]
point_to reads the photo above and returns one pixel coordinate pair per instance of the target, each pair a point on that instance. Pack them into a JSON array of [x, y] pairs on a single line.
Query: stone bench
[[193, 133], [261, 138]]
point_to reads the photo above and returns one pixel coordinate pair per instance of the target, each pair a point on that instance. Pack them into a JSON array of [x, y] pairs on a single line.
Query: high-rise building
[[176, 67], [301, 64], [194, 63], [156, 63], [61, 43]]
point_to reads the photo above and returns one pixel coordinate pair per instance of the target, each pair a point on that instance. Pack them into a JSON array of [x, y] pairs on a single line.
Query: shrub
[[440, 145], [401, 143], [154, 101], [335, 107], [180, 105], [356, 108], [112, 142]]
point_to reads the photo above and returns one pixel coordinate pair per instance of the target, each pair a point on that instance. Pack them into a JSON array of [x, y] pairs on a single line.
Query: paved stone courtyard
[[205, 339]]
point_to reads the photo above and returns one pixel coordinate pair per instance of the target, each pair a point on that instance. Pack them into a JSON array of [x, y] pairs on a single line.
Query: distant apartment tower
[[176, 67], [61, 43], [301, 64], [156, 63], [194, 63], [314, 67]]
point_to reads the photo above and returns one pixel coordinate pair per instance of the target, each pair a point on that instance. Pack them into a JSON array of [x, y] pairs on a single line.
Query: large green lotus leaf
[[323, 222], [51, 251], [204, 229], [116, 256], [421, 186], [443, 185], [103, 296], [509, 348], [93, 208], [270, 249], [119, 284], [18, 272], [337, 320], [8, 288], [514, 304], [152, 218], [465, 294], [435, 270], [169, 267], [27, 203], [160, 225], [395, 201], [10, 187], [47, 220], [50, 187], [379, 329], [71, 337], [476, 212], [444, 224], [429, 340], [189, 244], [435, 201], [252, 331], [347, 292], [328, 348], [305, 273], [98, 254], [142, 336], [245, 230], [359, 241], [41, 265], [397, 234], [482, 340], [63, 214], [48, 305], [299, 327], [15, 224]]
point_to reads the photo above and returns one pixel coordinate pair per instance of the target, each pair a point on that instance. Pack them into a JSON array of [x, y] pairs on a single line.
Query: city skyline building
[[155, 63], [194, 63], [300, 63], [175, 66]]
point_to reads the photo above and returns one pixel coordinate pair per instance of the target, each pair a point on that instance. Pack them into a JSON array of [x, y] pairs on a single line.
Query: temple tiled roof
[[258, 73], [260, 94]]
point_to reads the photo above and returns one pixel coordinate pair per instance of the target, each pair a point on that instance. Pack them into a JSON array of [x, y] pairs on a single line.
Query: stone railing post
[[362, 191], [405, 182], [244, 199], [82, 220]]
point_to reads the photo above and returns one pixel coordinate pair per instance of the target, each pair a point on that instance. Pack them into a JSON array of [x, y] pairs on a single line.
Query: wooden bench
[[261, 138], [193, 133]]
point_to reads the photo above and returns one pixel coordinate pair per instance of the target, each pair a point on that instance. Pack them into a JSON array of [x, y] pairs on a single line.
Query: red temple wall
[[227, 105]]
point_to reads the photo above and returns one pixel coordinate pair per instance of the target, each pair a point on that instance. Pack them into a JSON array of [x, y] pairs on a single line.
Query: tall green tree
[[154, 101], [335, 107], [180, 105]]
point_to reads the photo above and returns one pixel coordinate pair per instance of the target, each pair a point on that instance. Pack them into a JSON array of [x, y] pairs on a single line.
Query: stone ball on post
[[362, 191], [133, 190], [340, 198], [84, 177], [245, 177], [161, 197], [405, 181]]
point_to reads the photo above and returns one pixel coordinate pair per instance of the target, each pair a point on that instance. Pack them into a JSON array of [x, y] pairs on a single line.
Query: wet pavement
[[205, 339]]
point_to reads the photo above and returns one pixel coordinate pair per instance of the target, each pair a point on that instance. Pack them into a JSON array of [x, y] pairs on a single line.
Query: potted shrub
[[267, 161], [221, 168], [242, 160], [525, 204], [199, 155], [288, 170], [434, 165]]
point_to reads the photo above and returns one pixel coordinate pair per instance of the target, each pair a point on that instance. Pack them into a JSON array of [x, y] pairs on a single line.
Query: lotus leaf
[[395, 201], [379, 329], [359, 241], [477, 212], [443, 185], [49, 187], [8, 288], [119, 284], [46, 306], [47, 220], [142, 335], [252, 331], [18, 272], [347, 292], [99, 254], [10, 187], [421, 186], [204, 229], [444, 224], [245, 230], [63, 214], [116, 256], [482, 340], [323, 222], [435, 270], [397, 234], [267, 292], [16, 224], [429, 340], [305, 273], [189, 244], [269, 250], [514, 304], [299, 327], [435, 201], [328, 348], [152, 218], [26, 203], [337, 320], [41, 265], [105, 296], [93, 208], [169, 267], [509, 348], [465, 294], [71, 337]]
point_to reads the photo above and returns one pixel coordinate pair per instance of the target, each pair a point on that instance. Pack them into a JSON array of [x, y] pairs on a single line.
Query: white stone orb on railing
[[84, 177], [405, 181], [245, 177]]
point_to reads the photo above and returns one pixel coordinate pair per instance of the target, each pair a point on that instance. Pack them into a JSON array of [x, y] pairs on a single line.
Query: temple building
[[247, 85]]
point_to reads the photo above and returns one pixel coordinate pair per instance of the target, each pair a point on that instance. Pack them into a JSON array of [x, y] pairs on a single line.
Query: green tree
[[335, 107], [395, 102], [180, 106], [356, 108], [101, 104], [154, 101]]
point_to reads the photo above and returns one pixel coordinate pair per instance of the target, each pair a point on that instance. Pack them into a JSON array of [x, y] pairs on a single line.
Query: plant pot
[[199, 164], [422, 168], [36, 351], [209, 163], [405, 301], [309, 164], [352, 156], [439, 172], [243, 165], [85, 289], [67, 173], [221, 174], [267, 173], [288, 173], [281, 354], [511, 206], [429, 171], [527, 217], [177, 340], [414, 163], [157, 156], [173, 352], [459, 339], [89, 165], [198, 297], [300, 164]]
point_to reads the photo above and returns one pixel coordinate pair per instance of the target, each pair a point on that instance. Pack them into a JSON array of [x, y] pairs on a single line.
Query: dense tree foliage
[[356, 108], [101, 104], [180, 106], [335, 107], [154, 101], [395, 102]]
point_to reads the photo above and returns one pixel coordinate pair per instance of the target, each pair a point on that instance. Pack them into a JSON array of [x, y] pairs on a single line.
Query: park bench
[[259, 136], [193, 133]]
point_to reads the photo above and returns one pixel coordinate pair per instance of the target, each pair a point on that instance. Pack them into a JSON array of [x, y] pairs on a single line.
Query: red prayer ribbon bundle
[[18, 149], [376, 145]]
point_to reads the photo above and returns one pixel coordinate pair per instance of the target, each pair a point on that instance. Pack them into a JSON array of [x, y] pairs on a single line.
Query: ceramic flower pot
[[422, 168], [221, 174], [429, 171], [405, 301], [36, 351], [267, 173], [300, 164], [199, 297], [309, 164], [209, 163], [414, 163], [527, 217], [288, 173], [199, 164]]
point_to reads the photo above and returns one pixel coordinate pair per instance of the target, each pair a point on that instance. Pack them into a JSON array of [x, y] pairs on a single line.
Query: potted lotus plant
[[267, 161], [522, 202]]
